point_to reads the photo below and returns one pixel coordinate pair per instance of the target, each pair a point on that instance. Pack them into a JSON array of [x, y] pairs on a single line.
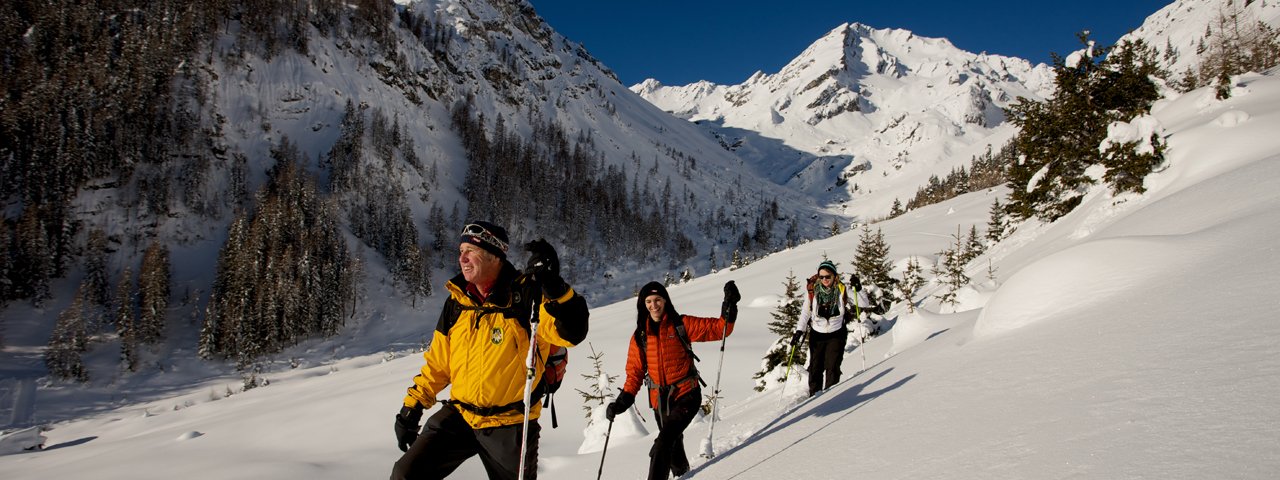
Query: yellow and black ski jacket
[[479, 348]]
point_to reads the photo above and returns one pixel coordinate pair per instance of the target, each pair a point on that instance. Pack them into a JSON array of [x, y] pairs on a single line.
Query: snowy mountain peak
[[858, 99]]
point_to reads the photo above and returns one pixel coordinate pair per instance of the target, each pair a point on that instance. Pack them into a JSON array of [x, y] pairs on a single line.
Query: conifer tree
[[153, 294], [912, 281], [873, 266], [1129, 163], [973, 246], [126, 320], [33, 267], [950, 271], [783, 325], [1059, 137], [96, 280], [63, 356], [834, 229], [415, 272], [600, 390], [998, 223]]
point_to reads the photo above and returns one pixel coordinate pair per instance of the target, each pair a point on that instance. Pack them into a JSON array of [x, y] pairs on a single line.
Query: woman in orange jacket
[[660, 356]]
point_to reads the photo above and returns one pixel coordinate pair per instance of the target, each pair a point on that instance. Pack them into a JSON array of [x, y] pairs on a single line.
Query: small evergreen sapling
[[912, 281], [601, 390], [950, 272]]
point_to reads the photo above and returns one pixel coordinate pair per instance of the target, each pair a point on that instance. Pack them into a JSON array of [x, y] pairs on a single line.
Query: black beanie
[[653, 288], [488, 236]]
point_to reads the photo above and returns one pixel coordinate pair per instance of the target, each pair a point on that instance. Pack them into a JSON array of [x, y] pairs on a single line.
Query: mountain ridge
[[861, 99]]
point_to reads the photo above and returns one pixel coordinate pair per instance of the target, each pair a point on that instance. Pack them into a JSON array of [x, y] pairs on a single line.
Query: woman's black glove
[[407, 426], [855, 282], [623, 402], [544, 266], [795, 339], [729, 308]]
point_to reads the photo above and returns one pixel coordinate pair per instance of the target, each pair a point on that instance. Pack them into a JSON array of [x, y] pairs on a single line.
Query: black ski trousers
[[667, 454], [447, 441], [826, 352]]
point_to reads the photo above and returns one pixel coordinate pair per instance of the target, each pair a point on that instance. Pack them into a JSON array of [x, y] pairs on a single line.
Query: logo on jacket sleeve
[[496, 336]]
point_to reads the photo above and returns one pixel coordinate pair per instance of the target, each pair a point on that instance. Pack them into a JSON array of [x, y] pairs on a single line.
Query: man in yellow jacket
[[480, 347]]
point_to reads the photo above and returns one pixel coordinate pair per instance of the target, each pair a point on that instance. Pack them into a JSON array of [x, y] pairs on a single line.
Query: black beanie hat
[[488, 236], [653, 288]]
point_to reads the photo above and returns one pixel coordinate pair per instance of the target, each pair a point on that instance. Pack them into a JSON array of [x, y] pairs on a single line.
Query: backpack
[[552, 376]]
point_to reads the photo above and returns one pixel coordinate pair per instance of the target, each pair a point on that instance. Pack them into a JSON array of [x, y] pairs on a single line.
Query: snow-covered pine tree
[[973, 246], [998, 223], [126, 320], [153, 294], [1129, 163], [834, 229], [600, 390], [96, 279], [63, 356], [912, 281], [414, 271], [873, 266], [783, 325], [1058, 138], [950, 272]]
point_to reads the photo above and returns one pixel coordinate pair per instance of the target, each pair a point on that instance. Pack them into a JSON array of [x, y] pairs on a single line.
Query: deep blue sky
[[681, 42]]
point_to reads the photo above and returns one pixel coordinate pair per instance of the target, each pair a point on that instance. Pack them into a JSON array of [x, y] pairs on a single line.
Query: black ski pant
[[667, 454], [447, 441], [826, 352]]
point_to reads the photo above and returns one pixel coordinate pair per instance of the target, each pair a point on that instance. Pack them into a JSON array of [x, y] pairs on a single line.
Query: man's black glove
[[620, 405], [795, 338], [729, 308], [855, 282], [544, 266], [407, 426]]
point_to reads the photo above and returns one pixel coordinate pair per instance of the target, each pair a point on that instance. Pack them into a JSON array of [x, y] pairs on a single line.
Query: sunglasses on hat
[[474, 230]]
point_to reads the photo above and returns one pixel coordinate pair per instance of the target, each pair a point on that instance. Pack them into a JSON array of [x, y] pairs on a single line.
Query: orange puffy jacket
[[669, 363]]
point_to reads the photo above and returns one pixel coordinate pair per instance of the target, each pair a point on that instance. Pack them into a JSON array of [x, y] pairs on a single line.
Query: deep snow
[[1134, 337]]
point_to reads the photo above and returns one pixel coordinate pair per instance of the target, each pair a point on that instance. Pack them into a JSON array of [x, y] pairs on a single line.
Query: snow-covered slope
[[1182, 25], [1134, 337], [880, 109], [497, 58]]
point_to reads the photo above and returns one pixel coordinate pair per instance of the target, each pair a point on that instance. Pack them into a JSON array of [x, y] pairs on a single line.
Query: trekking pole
[[789, 358], [787, 379], [862, 342], [715, 400], [530, 371], [607, 432]]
